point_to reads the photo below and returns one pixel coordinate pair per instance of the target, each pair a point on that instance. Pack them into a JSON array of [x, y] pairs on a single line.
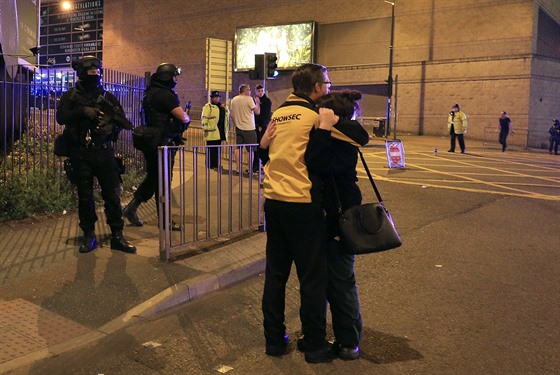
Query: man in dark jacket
[[263, 118], [91, 133]]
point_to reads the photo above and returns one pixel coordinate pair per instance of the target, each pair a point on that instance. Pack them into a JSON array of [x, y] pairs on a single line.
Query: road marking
[[415, 162]]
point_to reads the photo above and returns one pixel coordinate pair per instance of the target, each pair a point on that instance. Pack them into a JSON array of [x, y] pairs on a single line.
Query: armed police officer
[[93, 120], [162, 110]]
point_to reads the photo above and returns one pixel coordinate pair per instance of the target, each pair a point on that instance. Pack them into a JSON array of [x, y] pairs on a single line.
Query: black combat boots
[[130, 212], [119, 243], [89, 243]]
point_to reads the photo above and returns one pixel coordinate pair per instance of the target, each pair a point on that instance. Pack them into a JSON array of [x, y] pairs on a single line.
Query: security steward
[[162, 110], [92, 133]]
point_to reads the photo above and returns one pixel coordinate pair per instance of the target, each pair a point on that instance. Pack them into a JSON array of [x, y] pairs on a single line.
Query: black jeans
[[342, 295], [295, 234], [99, 163]]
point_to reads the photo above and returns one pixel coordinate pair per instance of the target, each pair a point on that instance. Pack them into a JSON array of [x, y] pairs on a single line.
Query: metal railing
[[210, 205], [491, 137], [28, 124]]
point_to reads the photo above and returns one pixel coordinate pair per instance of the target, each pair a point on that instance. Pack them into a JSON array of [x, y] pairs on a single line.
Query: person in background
[[162, 110], [263, 118], [243, 110], [505, 127], [214, 122], [554, 132], [457, 127], [92, 134]]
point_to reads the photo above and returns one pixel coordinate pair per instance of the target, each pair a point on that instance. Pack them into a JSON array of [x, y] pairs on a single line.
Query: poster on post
[[395, 153]]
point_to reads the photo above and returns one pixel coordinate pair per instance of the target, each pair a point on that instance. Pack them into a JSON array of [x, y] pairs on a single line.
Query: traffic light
[[258, 72], [270, 65]]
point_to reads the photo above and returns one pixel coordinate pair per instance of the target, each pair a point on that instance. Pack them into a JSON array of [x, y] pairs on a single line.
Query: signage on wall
[[66, 35]]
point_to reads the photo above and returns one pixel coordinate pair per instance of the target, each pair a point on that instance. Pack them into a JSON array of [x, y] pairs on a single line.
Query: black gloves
[[91, 112]]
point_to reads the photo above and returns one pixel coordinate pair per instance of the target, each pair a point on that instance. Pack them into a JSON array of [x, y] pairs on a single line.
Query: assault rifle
[[112, 112]]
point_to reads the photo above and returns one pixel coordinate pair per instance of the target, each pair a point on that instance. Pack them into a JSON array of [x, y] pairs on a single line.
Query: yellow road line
[[466, 179]]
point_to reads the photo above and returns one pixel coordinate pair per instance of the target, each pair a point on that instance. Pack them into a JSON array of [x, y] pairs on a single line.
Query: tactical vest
[[78, 131], [152, 117]]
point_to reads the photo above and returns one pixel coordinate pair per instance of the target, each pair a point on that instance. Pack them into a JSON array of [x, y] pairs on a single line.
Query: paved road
[[522, 173], [475, 289]]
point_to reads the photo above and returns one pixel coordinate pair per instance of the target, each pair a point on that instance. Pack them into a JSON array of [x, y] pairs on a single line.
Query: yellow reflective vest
[[459, 122], [209, 122]]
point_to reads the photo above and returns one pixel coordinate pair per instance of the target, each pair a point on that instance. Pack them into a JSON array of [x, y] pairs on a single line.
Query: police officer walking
[[92, 129], [162, 110]]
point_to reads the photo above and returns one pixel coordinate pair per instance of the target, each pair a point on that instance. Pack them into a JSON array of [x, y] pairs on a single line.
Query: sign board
[[68, 35], [395, 154], [219, 65]]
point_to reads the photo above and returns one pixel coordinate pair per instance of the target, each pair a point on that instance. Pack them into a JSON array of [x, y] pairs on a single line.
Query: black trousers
[[150, 184], [213, 153], [256, 159], [461, 140], [554, 142], [342, 295], [295, 234], [99, 163], [503, 139]]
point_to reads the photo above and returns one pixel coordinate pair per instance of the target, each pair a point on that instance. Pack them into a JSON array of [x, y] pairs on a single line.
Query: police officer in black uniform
[[162, 110], [554, 132], [92, 133]]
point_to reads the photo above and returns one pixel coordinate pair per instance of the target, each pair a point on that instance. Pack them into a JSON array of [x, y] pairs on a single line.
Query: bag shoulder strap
[[339, 205], [370, 177]]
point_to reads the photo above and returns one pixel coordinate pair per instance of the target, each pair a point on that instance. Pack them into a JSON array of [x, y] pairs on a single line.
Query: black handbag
[[367, 228]]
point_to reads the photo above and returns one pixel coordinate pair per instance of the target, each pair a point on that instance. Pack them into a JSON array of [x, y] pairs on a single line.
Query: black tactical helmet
[[85, 63], [166, 71]]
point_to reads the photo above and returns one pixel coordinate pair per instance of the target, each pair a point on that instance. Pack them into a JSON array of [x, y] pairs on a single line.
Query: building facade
[[487, 55]]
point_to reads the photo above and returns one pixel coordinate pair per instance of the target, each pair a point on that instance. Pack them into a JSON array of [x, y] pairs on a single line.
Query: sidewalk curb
[[242, 268]]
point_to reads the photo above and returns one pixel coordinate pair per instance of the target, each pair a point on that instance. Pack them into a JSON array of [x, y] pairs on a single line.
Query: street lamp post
[[390, 78]]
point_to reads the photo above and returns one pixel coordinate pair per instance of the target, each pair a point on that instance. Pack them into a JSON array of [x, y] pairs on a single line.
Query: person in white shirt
[[243, 110]]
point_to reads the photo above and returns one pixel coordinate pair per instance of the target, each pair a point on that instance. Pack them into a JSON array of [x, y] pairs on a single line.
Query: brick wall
[[474, 52]]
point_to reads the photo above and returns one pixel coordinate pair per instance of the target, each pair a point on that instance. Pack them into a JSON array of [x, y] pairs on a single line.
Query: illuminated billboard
[[294, 44]]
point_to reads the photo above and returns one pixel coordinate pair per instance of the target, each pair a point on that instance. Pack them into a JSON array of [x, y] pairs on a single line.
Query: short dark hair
[[258, 87], [306, 76]]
